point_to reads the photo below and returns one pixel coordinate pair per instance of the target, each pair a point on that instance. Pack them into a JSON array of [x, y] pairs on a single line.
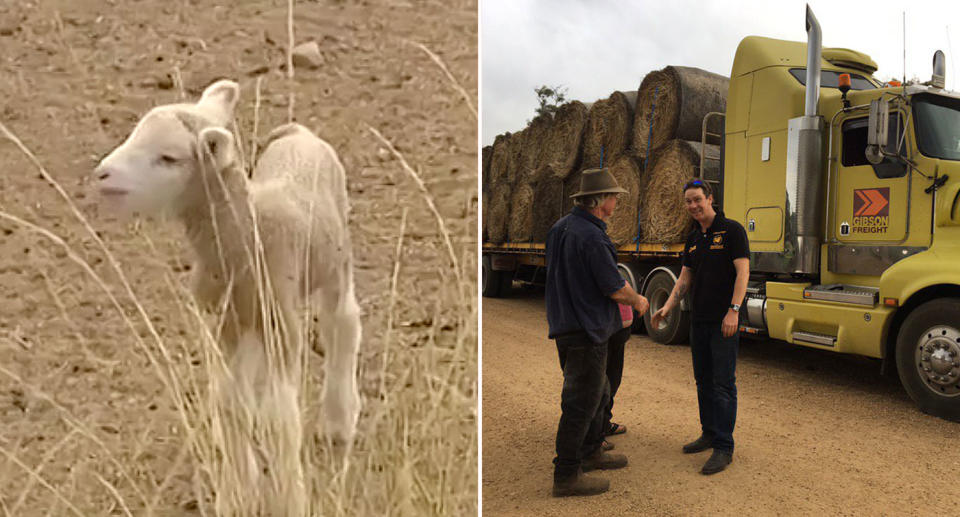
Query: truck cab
[[850, 193]]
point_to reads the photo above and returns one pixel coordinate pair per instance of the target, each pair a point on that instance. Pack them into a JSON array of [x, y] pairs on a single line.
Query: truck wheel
[[928, 357], [675, 328], [491, 279], [495, 283]]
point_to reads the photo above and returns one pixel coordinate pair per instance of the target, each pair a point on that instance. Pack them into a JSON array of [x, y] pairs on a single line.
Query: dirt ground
[[817, 433], [81, 411]]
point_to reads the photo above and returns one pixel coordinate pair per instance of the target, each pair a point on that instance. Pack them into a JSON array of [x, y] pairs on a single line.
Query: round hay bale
[[520, 228], [622, 225], [663, 217], [485, 200], [514, 150], [499, 158], [564, 138], [531, 150], [499, 213], [675, 100], [631, 100], [548, 202], [485, 155], [609, 129], [571, 185]]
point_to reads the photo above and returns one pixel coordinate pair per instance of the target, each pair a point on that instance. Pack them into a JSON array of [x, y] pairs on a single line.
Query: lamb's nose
[[101, 172]]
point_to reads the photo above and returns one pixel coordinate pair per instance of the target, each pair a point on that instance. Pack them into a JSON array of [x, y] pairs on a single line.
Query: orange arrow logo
[[871, 202]]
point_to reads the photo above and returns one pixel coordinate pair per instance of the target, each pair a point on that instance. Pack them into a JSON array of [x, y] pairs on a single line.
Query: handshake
[[642, 305]]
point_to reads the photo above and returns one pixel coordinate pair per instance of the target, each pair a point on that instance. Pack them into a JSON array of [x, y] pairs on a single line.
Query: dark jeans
[[614, 370], [714, 368], [584, 396]]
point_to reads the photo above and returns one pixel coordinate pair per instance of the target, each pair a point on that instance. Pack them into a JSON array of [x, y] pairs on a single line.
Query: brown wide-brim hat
[[598, 181]]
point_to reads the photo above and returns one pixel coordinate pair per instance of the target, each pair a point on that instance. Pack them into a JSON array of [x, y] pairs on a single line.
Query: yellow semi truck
[[850, 193]]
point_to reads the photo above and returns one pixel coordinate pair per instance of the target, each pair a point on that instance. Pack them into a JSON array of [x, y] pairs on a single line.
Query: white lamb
[[289, 221]]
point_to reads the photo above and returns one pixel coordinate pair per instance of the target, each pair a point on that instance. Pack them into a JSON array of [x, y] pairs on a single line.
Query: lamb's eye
[[166, 159]]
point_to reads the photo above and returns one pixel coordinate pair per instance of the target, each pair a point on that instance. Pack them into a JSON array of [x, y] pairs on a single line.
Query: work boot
[[699, 445], [717, 462], [579, 484], [603, 460]]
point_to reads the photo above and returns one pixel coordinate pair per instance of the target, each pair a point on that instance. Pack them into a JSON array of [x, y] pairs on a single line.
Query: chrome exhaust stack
[[814, 46], [939, 79], [804, 174]]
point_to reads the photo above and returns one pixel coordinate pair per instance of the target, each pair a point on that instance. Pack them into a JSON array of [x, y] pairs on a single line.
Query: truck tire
[[491, 279], [675, 328], [495, 283], [928, 357]]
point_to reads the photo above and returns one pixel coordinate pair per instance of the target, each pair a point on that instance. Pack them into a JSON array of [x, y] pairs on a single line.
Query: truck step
[[815, 338], [843, 293]]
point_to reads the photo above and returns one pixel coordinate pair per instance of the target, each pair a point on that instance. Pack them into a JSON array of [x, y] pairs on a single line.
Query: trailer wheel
[[928, 357], [675, 328], [495, 283]]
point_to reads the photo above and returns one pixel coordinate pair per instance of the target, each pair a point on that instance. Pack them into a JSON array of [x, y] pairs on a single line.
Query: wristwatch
[[735, 307]]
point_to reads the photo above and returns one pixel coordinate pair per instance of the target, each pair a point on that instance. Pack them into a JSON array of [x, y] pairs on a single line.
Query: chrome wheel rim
[[937, 357]]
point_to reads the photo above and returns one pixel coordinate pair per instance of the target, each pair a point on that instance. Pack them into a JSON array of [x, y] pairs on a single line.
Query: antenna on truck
[[950, 48], [904, 52]]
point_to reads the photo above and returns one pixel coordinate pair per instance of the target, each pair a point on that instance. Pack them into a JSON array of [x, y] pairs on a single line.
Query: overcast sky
[[594, 47]]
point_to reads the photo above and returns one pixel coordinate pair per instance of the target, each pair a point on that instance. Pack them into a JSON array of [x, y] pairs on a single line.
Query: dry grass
[[415, 435]]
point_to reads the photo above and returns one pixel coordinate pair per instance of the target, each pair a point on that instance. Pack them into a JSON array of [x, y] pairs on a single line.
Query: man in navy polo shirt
[[583, 288], [716, 265]]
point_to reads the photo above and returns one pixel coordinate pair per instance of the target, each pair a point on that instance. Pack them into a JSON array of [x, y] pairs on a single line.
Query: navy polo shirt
[[710, 258], [581, 276]]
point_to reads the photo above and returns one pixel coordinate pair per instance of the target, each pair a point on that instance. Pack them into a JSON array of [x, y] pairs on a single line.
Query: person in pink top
[[615, 370]]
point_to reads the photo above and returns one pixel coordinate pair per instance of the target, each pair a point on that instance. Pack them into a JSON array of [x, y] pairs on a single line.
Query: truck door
[[871, 202]]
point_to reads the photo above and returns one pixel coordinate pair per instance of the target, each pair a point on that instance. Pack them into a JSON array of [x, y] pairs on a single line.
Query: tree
[[550, 99]]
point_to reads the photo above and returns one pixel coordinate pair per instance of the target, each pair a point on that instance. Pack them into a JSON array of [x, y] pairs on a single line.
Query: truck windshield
[[831, 79], [938, 126]]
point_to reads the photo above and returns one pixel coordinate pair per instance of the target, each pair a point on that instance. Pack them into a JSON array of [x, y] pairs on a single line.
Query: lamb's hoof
[[339, 449], [342, 409]]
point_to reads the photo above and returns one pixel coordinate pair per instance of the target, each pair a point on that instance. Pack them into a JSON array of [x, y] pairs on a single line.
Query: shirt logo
[[717, 242]]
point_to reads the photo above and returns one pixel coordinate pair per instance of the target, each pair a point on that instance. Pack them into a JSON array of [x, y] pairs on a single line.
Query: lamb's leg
[[341, 397]]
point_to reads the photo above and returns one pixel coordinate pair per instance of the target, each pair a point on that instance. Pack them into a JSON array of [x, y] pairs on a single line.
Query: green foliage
[[550, 99]]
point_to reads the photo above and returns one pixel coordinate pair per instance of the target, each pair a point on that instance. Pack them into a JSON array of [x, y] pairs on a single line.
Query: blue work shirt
[[581, 276]]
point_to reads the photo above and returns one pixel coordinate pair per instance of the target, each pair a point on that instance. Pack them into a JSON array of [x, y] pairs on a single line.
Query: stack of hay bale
[[671, 106], [650, 140]]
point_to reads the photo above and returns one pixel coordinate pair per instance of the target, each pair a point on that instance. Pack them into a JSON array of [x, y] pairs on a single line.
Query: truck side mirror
[[877, 130]]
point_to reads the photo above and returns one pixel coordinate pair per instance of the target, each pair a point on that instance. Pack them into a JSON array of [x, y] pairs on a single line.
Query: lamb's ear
[[222, 96], [216, 144]]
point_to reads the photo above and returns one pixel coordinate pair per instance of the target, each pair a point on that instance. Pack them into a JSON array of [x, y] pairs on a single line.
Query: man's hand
[[641, 305], [731, 322], [659, 316]]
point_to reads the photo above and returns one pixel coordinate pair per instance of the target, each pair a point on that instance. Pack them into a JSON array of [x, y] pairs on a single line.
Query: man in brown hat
[[583, 289]]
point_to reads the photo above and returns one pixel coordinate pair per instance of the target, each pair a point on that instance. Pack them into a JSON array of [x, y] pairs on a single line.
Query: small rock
[[307, 55], [260, 70]]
